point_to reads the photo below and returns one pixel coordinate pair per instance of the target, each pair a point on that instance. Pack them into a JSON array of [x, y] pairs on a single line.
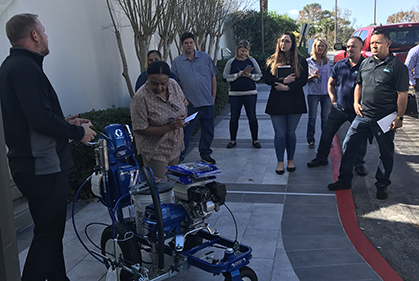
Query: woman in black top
[[242, 72], [286, 102]]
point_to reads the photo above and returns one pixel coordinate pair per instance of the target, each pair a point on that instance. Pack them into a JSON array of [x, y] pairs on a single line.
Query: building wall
[[84, 65]]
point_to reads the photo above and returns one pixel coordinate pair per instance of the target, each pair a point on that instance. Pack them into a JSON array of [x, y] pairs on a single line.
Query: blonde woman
[[242, 72], [286, 102], [319, 72]]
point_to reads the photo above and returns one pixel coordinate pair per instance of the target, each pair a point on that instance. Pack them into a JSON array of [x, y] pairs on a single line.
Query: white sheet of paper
[[385, 122], [190, 117]]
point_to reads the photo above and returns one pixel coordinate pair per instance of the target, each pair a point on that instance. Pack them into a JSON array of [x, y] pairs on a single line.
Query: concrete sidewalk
[[291, 221]]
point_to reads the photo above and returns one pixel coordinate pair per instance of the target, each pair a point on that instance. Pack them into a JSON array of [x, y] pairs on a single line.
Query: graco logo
[[119, 134]]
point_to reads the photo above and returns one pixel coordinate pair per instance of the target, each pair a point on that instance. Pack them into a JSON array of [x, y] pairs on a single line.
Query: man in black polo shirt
[[381, 90], [341, 91]]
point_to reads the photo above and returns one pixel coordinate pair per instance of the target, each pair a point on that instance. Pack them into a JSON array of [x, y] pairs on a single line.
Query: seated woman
[[152, 55], [158, 110]]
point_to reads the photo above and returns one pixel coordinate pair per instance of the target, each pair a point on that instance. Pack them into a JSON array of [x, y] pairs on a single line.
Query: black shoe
[[231, 144], [311, 145], [280, 172], [339, 185], [291, 169], [257, 144], [361, 171], [382, 192], [208, 160], [316, 162]]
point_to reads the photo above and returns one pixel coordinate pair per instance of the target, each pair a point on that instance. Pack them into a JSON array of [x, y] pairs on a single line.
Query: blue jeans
[[334, 121], [313, 101], [206, 119], [361, 128], [236, 103], [285, 138]]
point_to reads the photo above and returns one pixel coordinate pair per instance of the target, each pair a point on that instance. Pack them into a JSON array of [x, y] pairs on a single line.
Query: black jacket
[[35, 128], [288, 102]]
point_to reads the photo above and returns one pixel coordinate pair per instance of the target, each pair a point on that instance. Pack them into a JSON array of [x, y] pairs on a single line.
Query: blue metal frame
[[114, 201]]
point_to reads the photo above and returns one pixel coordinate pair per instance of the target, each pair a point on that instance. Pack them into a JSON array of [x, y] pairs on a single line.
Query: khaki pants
[[159, 167]]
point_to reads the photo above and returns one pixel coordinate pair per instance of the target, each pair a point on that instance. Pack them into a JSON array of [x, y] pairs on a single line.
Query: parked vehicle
[[403, 37]]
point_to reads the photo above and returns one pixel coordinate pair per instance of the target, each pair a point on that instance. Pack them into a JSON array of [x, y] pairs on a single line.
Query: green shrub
[[304, 52], [221, 99], [84, 157]]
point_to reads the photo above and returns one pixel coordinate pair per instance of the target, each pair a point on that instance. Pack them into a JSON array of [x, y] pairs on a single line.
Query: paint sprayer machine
[[161, 221]]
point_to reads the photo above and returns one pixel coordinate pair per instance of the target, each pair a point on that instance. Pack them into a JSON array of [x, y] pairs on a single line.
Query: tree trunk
[[125, 72]]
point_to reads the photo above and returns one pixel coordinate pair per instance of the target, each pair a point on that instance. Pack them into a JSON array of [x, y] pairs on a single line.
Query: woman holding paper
[[319, 72], [158, 110], [286, 102], [241, 72]]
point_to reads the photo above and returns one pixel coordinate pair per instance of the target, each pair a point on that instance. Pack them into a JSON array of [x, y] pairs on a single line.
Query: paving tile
[[312, 230], [271, 177], [238, 187], [291, 220], [311, 210], [87, 270], [315, 200], [266, 187], [282, 268], [307, 187], [260, 156], [263, 243], [258, 218], [263, 198], [232, 197], [344, 272], [262, 268], [297, 243], [323, 257]]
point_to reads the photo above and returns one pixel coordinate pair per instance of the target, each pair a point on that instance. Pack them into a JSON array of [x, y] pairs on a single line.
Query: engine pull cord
[[236, 243]]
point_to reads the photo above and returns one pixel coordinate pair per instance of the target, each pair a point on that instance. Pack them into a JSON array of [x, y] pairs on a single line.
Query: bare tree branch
[[125, 72]]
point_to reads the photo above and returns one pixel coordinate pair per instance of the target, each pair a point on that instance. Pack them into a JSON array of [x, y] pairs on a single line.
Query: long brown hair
[[279, 58]]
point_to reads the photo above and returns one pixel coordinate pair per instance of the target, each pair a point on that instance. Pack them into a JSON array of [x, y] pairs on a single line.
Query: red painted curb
[[347, 213]]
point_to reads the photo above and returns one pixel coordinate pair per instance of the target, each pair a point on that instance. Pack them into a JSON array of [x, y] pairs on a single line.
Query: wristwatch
[[400, 118]]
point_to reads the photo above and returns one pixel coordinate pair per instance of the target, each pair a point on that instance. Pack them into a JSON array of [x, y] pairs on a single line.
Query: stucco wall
[[84, 65]]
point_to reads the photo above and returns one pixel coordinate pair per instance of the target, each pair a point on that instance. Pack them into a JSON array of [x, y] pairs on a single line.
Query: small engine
[[202, 201], [188, 213]]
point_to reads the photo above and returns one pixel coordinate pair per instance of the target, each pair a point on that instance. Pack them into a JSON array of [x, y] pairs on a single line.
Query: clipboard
[[284, 71], [386, 121], [248, 69]]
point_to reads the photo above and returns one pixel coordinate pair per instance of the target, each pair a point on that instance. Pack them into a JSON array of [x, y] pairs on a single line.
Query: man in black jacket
[[37, 136]]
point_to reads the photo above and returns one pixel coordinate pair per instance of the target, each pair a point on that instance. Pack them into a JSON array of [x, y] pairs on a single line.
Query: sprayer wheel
[[246, 273], [127, 248]]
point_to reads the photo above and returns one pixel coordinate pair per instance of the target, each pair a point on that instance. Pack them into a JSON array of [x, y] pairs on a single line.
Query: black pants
[[47, 197]]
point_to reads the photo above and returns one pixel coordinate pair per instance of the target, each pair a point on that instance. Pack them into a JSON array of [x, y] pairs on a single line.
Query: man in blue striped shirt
[[412, 63]]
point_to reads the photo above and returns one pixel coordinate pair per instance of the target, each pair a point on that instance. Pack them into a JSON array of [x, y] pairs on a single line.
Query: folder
[[284, 71]]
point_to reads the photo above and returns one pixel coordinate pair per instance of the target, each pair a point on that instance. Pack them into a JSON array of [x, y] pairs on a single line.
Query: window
[[363, 34], [406, 37]]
